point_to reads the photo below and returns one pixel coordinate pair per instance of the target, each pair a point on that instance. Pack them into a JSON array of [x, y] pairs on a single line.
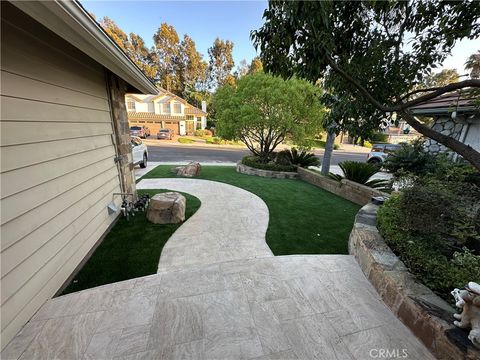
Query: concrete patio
[[209, 301]]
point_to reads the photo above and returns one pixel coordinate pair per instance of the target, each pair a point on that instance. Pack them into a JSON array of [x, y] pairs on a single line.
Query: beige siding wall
[[57, 171]]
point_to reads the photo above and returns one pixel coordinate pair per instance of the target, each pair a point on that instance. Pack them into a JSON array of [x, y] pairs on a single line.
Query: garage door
[[172, 126]]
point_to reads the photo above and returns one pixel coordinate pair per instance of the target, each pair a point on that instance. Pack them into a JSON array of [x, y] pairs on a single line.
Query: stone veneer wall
[[244, 169], [429, 317], [357, 193], [446, 126], [117, 89]]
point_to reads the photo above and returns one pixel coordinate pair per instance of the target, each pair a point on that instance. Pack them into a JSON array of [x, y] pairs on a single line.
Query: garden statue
[[468, 300]]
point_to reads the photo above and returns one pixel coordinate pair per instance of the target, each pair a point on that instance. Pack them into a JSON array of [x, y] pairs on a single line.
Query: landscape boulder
[[190, 170], [167, 208]]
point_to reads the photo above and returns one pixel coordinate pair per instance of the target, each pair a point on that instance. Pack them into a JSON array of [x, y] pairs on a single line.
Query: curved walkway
[[230, 224], [207, 303]]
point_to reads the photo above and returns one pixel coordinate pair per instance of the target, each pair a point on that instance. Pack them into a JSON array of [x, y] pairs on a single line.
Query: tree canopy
[[473, 64], [263, 110], [370, 54]]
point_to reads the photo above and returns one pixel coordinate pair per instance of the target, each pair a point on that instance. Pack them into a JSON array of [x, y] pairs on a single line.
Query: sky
[[203, 21]]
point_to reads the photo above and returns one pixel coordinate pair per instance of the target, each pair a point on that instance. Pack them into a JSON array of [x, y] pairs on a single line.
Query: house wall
[[446, 126], [57, 171]]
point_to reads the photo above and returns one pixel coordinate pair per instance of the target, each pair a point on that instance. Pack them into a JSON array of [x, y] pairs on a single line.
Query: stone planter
[[428, 316], [244, 169]]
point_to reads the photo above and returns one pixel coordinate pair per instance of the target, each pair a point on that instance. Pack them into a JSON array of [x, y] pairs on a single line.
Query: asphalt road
[[173, 153]]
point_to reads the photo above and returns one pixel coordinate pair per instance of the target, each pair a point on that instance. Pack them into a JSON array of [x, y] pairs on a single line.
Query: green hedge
[[256, 163], [427, 255], [185, 140]]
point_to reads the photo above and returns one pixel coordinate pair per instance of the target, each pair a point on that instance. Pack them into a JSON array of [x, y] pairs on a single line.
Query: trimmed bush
[[360, 173], [257, 163], [203, 133], [411, 159]]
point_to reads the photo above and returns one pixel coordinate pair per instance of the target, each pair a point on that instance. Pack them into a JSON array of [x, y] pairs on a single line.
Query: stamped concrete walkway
[[230, 224], [256, 307]]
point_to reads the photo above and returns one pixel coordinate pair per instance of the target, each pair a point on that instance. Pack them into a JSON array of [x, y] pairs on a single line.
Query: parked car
[[140, 131], [139, 152], [380, 152], [165, 134]]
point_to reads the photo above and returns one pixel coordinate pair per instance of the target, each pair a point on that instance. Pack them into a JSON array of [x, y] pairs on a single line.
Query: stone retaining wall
[[429, 317], [357, 193], [244, 169]]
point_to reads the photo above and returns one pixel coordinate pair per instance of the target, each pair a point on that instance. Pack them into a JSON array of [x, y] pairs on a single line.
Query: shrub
[[183, 140], [257, 163], [293, 157], [427, 256], [321, 144], [410, 159], [360, 173], [378, 137], [203, 133]]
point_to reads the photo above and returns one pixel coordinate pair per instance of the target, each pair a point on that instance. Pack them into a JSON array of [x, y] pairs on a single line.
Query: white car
[[139, 151], [379, 153]]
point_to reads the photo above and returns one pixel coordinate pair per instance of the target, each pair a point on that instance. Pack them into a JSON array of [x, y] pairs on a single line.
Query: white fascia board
[[72, 23]]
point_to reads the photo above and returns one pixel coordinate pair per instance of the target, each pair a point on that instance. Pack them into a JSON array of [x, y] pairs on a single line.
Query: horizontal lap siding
[[57, 171]]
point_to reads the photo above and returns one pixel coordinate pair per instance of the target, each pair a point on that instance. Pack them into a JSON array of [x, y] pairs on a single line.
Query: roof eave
[[71, 22], [444, 110]]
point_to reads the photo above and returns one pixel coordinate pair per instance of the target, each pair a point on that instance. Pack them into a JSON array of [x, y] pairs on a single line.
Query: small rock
[[167, 208]]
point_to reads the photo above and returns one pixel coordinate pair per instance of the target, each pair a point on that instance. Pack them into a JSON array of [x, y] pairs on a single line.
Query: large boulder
[[167, 208], [190, 170]]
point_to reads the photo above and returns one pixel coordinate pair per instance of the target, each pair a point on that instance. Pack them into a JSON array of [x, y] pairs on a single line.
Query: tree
[[473, 64], [133, 45], [192, 69], [242, 69], [442, 78], [255, 66], [221, 61], [167, 47], [375, 51], [262, 110]]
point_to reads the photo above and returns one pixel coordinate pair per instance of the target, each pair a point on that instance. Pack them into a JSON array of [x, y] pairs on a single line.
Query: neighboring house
[[455, 114], [65, 148], [165, 110]]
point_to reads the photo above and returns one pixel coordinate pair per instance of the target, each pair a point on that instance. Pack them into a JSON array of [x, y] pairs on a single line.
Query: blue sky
[[206, 20], [202, 20]]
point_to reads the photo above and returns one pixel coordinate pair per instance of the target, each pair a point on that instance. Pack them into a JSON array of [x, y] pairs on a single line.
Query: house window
[[166, 108], [177, 108], [130, 105], [190, 117]]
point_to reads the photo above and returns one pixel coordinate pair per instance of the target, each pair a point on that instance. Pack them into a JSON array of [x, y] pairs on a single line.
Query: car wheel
[[374, 161], [143, 164]]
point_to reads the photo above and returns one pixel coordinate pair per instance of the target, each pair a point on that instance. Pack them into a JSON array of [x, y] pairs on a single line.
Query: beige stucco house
[[65, 148], [165, 110]]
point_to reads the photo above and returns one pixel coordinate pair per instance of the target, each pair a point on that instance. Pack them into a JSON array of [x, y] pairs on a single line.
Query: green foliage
[[442, 78], [378, 137], [257, 163], [263, 109], [367, 53], [427, 255], [410, 159], [473, 64], [183, 140], [321, 144], [360, 173], [221, 62], [294, 157], [203, 133]]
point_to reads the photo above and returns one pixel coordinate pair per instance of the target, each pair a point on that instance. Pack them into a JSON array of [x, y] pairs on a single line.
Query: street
[[171, 153]]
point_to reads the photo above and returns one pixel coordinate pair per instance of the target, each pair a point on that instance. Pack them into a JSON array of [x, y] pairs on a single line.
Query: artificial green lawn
[[304, 219], [131, 249]]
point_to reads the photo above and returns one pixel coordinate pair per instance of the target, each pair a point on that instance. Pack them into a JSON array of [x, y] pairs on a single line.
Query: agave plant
[[294, 157], [360, 173]]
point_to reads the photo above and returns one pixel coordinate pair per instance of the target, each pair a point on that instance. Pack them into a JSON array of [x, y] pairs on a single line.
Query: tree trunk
[[468, 153], [327, 155]]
